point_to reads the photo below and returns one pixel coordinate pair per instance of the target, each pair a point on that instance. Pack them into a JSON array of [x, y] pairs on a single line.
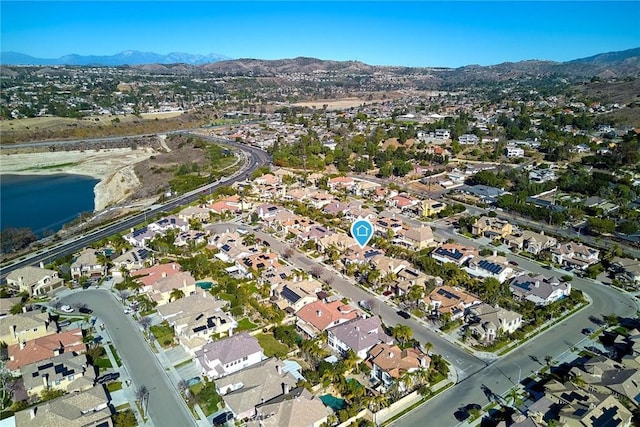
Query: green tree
[[403, 333]]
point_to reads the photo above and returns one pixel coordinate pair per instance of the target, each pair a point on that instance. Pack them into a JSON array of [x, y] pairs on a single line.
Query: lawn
[[115, 355], [245, 324], [103, 363], [164, 334], [271, 346], [114, 386]]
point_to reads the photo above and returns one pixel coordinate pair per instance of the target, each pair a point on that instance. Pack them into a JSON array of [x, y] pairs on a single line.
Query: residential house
[[455, 253], [298, 408], [512, 151], [148, 276], [342, 183], [45, 347], [626, 269], [165, 224], [430, 207], [244, 390], [185, 238], [389, 362], [387, 226], [493, 228], [411, 276], [539, 289], [132, 260], [487, 322], [452, 300], [194, 213], [531, 241], [65, 371], [492, 266], [34, 280], [483, 193], [160, 290], [575, 255], [86, 408], [416, 238], [87, 265], [359, 335], [228, 355], [195, 318], [293, 295], [387, 265], [22, 327], [319, 316], [542, 175], [605, 376], [140, 237], [260, 261], [468, 139]]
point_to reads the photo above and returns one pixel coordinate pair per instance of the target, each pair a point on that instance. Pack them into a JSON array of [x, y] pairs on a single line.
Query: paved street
[[477, 377], [166, 407]]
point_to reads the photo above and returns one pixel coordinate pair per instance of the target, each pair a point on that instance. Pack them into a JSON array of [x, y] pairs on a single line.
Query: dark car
[[222, 419], [548, 267], [587, 331], [513, 263], [85, 310], [403, 314]]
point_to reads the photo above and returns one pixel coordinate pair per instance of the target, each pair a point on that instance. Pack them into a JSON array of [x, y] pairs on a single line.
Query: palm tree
[[176, 294], [145, 322], [428, 346], [378, 402], [350, 360], [402, 333], [415, 295]]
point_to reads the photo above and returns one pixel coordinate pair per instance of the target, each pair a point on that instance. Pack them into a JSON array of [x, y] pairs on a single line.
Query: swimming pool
[[333, 402], [204, 285]]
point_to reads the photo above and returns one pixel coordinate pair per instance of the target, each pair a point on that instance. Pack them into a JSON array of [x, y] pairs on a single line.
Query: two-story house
[[223, 357], [359, 335], [34, 280]]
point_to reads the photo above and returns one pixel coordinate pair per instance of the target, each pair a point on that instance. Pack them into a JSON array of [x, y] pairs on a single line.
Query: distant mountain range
[[128, 57], [606, 65]]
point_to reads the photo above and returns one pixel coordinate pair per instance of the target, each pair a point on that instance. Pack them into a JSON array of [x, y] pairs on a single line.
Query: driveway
[[165, 406]]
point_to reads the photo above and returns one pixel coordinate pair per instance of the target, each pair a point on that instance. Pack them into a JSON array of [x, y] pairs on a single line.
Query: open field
[[337, 104]]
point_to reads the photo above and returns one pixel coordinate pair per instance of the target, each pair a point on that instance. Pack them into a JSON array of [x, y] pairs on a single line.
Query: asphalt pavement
[[165, 406]]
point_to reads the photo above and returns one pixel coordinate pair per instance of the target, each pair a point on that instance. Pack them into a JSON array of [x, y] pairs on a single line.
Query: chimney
[[319, 313], [390, 355], [13, 329], [495, 252], [542, 232], [41, 264], [173, 266], [23, 344], [537, 284], [32, 412], [279, 369], [56, 351], [45, 377], [285, 388], [164, 274]]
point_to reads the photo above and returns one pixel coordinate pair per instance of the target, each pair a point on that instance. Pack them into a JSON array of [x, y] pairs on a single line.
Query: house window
[[245, 358], [57, 382], [70, 377]]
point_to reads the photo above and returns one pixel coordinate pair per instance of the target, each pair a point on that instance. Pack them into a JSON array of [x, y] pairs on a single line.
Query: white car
[[66, 309]]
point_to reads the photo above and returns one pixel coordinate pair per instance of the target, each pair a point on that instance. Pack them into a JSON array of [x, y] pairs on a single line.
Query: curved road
[[166, 407], [255, 159]]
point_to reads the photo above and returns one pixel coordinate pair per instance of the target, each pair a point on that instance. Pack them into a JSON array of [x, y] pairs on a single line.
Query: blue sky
[[417, 33]]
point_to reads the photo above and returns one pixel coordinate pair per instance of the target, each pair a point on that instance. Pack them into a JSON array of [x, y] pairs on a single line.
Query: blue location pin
[[362, 231]]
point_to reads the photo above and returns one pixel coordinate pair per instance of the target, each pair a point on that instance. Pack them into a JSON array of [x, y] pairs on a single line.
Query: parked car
[[64, 323], [85, 310], [193, 381], [403, 314], [548, 267], [66, 309], [222, 419], [513, 263], [365, 304], [587, 331]]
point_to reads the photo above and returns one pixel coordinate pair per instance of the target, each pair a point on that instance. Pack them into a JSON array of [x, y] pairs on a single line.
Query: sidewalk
[[175, 378]]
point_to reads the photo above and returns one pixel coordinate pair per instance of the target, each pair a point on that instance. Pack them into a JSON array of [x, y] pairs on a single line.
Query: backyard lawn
[[272, 347]]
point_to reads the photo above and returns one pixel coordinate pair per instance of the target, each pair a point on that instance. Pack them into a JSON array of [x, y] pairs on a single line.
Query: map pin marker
[[362, 231]]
